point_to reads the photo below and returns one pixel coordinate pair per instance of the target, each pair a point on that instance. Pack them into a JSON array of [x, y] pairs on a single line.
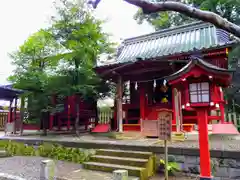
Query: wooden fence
[[233, 118], [105, 116], [3, 119]]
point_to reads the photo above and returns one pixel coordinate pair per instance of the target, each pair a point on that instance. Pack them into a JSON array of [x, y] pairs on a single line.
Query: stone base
[[206, 178]]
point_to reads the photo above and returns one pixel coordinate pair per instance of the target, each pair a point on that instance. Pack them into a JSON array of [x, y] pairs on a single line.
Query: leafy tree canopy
[[59, 60]]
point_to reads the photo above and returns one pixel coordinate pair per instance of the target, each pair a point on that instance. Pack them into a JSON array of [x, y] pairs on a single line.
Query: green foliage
[[214, 165], [225, 8], [59, 60], [31, 72], [52, 151], [80, 33], [172, 167]]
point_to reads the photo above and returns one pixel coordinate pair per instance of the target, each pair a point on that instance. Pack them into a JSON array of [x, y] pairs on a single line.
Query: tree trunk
[[22, 112], [77, 119], [15, 116], [44, 124]]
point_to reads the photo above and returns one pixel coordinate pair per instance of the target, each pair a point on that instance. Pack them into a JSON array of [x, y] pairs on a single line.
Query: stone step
[[123, 153], [132, 171], [120, 160], [178, 136], [3, 154]]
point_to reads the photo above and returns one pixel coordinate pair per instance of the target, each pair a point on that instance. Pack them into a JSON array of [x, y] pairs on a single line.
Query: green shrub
[[53, 151], [172, 167]]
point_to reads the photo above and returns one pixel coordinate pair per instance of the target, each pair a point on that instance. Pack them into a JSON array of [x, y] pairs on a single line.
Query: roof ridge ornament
[[197, 54]]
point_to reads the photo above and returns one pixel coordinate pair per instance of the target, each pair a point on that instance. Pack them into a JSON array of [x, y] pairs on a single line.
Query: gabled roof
[[10, 87], [199, 62], [173, 41], [7, 92]]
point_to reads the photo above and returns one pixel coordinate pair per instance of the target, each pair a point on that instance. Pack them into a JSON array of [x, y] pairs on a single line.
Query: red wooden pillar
[[10, 112], [180, 110], [205, 166], [115, 114], [59, 122], [142, 102], [173, 107], [51, 121], [221, 106]]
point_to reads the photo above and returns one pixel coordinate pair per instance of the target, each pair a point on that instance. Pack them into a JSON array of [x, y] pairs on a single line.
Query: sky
[[22, 18]]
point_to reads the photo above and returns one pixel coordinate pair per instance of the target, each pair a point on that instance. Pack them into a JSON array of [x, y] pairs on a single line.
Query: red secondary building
[[65, 120], [182, 70]]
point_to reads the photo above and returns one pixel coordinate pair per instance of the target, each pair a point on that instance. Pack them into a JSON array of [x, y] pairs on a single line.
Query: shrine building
[[180, 70]]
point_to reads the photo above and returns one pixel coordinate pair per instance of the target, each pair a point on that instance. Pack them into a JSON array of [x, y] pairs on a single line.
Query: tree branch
[[189, 11]]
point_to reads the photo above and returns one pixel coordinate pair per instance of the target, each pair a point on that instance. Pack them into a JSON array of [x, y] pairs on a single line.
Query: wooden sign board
[[149, 128], [9, 128], [165, 125]]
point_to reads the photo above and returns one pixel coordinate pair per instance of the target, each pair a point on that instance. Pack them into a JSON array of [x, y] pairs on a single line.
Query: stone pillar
[[47, 171], [120, 175]]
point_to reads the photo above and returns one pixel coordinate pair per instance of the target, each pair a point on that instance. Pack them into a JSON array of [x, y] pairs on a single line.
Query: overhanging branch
[[189, 11]]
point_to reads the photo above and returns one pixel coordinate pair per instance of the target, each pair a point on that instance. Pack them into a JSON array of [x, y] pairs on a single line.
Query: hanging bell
[[136, 86], [154, 83], [164, 82]]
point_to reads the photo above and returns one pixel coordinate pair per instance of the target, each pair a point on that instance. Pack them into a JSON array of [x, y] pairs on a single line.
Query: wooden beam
[[148, 76], [119, 104], [142, 101], [144, 70]]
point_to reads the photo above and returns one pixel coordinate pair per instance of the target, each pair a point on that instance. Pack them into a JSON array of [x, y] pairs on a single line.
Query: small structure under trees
[[66, 118], [8, 93]]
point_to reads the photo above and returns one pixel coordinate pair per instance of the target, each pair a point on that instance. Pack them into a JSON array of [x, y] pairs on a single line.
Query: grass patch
[[53, 151]]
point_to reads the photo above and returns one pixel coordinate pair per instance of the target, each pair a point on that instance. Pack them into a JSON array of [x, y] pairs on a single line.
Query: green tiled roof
[[172, 41]]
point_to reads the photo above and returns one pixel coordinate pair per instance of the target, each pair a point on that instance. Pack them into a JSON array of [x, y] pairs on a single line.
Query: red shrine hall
[[180, 70]]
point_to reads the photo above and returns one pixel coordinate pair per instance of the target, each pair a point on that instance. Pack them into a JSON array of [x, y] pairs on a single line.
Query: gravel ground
[[29, 169], [95, 175]]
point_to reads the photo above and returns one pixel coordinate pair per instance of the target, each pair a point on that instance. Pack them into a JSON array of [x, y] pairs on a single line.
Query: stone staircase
[[138, 164]]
